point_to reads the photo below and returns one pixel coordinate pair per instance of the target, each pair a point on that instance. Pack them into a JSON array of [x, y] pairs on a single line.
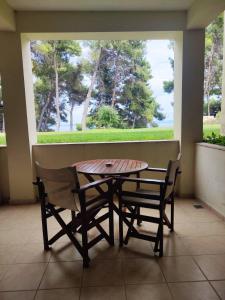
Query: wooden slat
[[119, 166]]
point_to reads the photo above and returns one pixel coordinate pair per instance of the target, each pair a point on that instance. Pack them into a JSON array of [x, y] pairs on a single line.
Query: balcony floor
[[193, 266]]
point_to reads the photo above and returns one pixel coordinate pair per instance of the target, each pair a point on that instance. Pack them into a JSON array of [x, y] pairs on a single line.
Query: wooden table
[[110, 167]]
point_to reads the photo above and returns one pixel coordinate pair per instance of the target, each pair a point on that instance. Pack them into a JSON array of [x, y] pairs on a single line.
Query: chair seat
[[153, 193], [143, 202], [148, 192]]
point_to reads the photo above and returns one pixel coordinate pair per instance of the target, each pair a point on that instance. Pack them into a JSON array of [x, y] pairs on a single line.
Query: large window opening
[[213, 81], [105, 90]]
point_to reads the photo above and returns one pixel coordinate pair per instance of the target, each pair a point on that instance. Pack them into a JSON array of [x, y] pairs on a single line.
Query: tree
[[74, 88], [214, 106], [122, 82], [213, 60], [96, 48], [50, 60]]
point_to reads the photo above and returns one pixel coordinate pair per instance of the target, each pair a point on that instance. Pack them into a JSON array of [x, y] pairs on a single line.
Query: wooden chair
[[130, 203], [59, 189], [170, 198]]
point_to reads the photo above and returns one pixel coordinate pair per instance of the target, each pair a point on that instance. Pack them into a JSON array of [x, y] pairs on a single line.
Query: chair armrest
[[143, 180], [93, 184], [161, 170]]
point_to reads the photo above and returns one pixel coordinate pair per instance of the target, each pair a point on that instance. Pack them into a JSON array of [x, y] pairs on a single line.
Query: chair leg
[[138, 220], [172, 213], [120, 223], [44, 225], [131, 225], [73, 218], [111, 222], [161, 234], [86, 259]]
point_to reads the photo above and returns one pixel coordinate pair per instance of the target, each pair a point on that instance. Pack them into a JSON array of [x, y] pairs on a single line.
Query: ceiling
[[100, 5]]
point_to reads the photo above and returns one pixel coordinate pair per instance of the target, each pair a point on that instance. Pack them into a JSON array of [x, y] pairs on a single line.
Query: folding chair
[[59, 189], [131, 202], [170, 198]]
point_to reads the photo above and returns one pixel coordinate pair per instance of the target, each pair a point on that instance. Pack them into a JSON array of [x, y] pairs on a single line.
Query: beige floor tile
[[8, 253], [102, 293], [180, 268], [200, 229], [64, 252], [142, 270], [205, 245], [102, 273], [174, 246], [219, 286], [157, 291], [137, 249], [13, 237], [24, 295], [58, 294], [62, 275], [3, 269], [103, 250], [32, 253], [192, 291], [213, 266], [22, 277]]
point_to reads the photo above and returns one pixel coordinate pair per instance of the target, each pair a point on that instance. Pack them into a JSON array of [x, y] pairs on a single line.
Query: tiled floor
[[193, 266]]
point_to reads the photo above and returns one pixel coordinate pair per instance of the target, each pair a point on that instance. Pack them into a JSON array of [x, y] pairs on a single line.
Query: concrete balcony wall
[[210, 175], [156, 153], [4, 175]]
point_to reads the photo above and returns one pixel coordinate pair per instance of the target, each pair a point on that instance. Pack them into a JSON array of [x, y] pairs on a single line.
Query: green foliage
[[122, 83], [168, 86], [49, 57], [107, 117], [78, 127], [214, 106], [215, 139], [213, 61]]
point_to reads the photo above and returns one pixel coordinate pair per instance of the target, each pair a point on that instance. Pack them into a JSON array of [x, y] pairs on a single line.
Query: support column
[[17, 90], [223, 88], [188, 108]]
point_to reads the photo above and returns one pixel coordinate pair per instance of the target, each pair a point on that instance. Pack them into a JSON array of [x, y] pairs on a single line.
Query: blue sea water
[[165, 123]]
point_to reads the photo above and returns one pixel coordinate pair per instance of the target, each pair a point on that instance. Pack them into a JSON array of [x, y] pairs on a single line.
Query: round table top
[[110, 166]]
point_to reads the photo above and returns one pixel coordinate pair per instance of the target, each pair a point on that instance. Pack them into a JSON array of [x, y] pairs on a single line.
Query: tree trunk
[[44, 108], [56, 92], [71, 115], [3, 122], [134, 120], [209, 79], [88, 97], [115, 84]]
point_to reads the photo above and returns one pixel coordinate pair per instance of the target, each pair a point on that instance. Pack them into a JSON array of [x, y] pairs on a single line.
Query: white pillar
[[188, 107], [17, 90], [223, 88]]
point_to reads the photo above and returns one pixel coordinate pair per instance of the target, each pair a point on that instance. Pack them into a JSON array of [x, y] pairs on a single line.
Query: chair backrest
[[171, 175], [58, 184]]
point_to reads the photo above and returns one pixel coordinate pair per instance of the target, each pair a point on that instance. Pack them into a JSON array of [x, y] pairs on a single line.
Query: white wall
[[210, 175]]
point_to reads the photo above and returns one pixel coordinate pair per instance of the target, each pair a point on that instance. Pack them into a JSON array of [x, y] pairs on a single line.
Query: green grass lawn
[[109, 135]]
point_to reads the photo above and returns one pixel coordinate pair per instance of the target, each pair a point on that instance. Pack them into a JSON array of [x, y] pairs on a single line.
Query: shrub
[[107, 117], [215, 139], [78, 127]]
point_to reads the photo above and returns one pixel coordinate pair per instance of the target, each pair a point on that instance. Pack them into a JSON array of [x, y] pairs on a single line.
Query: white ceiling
[[104, 5]]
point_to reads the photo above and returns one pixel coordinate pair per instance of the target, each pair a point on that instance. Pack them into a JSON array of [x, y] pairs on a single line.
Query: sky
[[158, 54]]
